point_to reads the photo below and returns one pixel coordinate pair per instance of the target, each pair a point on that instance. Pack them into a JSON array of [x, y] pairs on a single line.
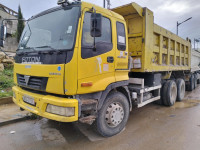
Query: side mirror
[[96, 25], [3, 35]]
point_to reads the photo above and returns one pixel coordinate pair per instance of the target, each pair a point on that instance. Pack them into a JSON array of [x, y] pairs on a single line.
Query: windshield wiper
[[49, 51], [26, 52], [33, 50], [46, 46]]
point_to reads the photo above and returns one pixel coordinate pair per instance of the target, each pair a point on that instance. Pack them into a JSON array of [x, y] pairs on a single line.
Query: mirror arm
[[94, 48]]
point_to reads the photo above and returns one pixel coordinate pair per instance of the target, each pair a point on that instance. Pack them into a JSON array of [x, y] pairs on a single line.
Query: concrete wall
[[11, 25], [10, 44]]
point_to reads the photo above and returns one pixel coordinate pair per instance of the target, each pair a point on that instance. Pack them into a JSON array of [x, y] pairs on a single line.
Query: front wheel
[[113, 115]]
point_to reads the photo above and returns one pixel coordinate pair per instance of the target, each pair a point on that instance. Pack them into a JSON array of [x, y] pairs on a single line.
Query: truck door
[[96, 66], [121, 64]]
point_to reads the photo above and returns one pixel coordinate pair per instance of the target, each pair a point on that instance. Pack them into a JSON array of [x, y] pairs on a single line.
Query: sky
[[166, 12]]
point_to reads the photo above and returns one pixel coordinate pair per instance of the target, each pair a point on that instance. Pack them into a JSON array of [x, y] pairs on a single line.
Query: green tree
[[20, 25]]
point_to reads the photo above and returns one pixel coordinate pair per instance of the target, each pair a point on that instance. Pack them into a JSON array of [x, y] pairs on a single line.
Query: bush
[[6, 82], [5, 93], [6, 79]]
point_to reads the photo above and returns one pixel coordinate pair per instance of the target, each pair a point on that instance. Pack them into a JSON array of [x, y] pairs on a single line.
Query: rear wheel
[[113, 115], [180, 89], [191, 85], [170, 93], [195, 81], [198, 81], [160, 101], [164, 90]]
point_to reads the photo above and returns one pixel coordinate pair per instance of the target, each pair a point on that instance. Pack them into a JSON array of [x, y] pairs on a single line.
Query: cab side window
[[103, 43], [121, 37]]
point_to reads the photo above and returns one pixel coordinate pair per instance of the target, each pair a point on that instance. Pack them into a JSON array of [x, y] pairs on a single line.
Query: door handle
[[110, 59]]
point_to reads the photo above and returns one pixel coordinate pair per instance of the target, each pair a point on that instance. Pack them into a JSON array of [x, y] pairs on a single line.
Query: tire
[[191, 85], [195, 81], [160, 101], [180, 89], [164, 91], [115, 104], [198, 81], [170, 93]]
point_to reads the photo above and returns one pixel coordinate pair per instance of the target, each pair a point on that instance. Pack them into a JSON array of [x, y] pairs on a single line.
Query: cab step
[[88, 120]]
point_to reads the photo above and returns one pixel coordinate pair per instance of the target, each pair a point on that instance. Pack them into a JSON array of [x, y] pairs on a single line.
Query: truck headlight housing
[[62, 111]]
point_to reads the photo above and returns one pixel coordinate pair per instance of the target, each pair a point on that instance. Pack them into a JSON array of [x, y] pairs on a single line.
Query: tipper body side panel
[[153, 48]]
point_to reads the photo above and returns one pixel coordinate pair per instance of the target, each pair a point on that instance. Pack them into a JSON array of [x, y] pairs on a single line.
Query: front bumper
[[41, 104]]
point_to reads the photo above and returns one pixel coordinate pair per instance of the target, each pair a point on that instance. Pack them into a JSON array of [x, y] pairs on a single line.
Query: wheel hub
[[114, 114], [182, 91], [173, 94]]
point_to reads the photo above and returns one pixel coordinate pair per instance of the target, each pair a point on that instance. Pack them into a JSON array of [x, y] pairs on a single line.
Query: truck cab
[[81, 62], [64, 70]]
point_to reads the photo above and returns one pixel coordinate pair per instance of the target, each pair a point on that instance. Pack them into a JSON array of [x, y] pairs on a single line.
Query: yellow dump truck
[[81, 62]]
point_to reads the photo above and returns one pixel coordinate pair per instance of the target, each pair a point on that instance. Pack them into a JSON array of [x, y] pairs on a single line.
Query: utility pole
[[196, 41], [177, 28], [178, 24], [108, 4], [104, 3]]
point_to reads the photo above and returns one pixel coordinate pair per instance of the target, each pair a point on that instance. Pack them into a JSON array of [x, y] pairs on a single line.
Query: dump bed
[[152, 47]]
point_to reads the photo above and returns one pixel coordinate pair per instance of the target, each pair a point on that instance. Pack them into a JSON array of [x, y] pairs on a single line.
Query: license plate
[[29, 100]]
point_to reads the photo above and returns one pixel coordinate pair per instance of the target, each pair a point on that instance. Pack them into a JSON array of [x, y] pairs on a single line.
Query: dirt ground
[[152, 127]]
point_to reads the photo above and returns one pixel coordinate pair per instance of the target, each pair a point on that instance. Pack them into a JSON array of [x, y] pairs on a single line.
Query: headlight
[[62, 111]]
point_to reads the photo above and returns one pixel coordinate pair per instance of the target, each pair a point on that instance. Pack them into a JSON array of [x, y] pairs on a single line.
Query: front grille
[[36, 83]]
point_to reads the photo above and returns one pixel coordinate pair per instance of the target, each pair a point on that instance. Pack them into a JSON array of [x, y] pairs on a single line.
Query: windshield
[[55, 30]]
